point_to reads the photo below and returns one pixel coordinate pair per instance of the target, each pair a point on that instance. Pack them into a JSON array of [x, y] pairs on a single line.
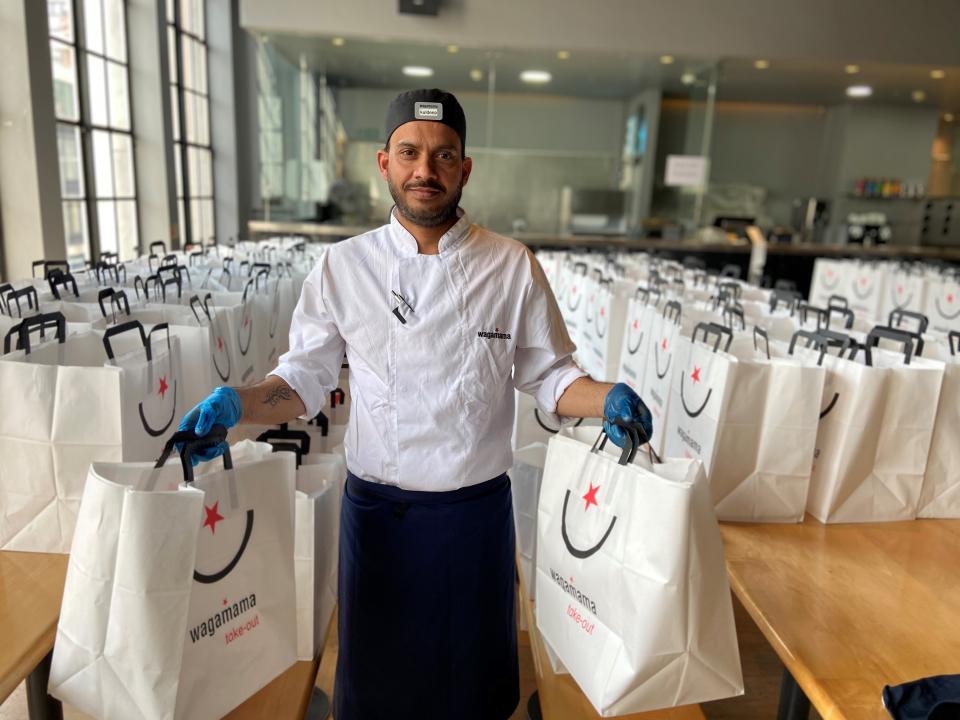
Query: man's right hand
[[221, 407]]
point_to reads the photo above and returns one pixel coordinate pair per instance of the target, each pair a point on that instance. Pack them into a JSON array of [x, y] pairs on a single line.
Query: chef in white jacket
[[440, 320]]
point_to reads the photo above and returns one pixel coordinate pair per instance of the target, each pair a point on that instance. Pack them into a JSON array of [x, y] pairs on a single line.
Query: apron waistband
[[361, 488]]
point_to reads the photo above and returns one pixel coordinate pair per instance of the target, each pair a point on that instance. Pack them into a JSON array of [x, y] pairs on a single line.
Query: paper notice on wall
[[686, 171]]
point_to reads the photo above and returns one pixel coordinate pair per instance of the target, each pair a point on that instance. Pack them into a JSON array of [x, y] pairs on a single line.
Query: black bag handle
[[158, 328], [195, 304], [155, 281], [897, 316], [265, 274], [259, 267], [636, 437], [278, 446], [732, 289], [673, 311], [322, 422], [5, 289], [785, 285], [692, 262], [184, 272], [158, 244], [954, 339], [285, 434], [30, 293], [196, 256], [700, 278], [139, 286], [103, 295], [169, 261], [65, 280], [760, 333], [823, 316], [245, 265], [124, 328], [174, 281], [731, 271], [790, 298], [107, 255], [845, 313], [42, 323], [48, 266], [902, 337], [838, 301], [710, 328], [733, 311], [190, 443]]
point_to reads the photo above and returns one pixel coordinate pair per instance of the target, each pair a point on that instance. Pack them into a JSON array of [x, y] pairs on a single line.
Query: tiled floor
[[761, 673]]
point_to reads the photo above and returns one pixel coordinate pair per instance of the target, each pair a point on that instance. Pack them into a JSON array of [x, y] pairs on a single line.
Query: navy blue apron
[[427, 618]]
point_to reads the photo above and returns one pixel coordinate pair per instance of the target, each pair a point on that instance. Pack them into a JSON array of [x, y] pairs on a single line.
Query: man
[[440, 320]]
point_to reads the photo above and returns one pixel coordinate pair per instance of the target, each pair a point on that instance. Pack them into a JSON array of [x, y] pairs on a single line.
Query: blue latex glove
[[624, 404], [222, 407]]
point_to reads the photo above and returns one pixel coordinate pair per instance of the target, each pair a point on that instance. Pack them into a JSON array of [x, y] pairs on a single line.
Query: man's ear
[[467, 169], [383, 160]]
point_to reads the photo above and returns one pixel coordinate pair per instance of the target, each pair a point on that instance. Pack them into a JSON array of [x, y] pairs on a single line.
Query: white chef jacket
[[432, 400]]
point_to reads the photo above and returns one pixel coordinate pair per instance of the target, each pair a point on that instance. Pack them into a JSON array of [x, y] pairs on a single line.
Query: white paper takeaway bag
[[636, 345], [179, 599], [874, 435], [632, 591], [940, 497]]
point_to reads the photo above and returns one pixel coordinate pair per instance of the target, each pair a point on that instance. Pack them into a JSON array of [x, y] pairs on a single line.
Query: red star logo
[[224, 601], [246, 320], [219, 343], [863, 281], [636, 324], [695, 375], [829, 273], [163, 387], [213, 517], [950, 298], [591, 497], [900, 289], [664, 344], [602, 313], [574, 290]]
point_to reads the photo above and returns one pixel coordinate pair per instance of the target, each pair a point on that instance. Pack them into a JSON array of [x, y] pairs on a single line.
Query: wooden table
[[31, 588], [31, 585], [851, 608], [560, 697]]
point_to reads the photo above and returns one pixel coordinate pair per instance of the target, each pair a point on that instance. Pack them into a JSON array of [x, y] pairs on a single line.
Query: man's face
[[425, 171]]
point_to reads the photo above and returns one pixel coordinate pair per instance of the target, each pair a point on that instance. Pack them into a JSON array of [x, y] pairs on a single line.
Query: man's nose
[[425, 168]]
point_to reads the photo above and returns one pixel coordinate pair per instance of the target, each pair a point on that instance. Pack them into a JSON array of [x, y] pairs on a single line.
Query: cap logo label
[[428, 111]]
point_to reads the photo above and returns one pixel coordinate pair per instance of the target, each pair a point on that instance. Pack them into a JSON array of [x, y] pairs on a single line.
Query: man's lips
[[424, 193]]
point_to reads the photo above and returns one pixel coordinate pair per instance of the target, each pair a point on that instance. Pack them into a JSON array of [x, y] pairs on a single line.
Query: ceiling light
[[948, 117], [851, 69], [476, 75], [563, 54], [417, 71], [666, 59], [761, 64], [918, 95], [859, 91], [338, 42], [688, 78], [536, 77], [938, 74], [453, 49]]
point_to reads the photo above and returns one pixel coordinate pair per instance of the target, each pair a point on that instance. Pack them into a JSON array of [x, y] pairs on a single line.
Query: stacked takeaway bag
[[631, 587], [180, 597]]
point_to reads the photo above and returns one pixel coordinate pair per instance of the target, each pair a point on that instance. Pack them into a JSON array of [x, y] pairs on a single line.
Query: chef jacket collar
[[406, 244]]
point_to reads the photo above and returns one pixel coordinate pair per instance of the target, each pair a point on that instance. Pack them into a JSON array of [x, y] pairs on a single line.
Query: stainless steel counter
[[259, 228]]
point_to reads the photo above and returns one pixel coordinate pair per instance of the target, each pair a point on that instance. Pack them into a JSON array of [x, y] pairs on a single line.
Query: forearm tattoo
[[273, 397]]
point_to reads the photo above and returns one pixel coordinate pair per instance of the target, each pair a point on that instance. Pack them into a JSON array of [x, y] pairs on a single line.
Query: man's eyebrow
[[408, 143]]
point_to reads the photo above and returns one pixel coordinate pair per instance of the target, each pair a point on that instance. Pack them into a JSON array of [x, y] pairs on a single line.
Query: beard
[[427, 218]]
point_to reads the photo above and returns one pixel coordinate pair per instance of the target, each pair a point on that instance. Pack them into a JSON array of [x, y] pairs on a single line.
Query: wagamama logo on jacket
[[497, 334]]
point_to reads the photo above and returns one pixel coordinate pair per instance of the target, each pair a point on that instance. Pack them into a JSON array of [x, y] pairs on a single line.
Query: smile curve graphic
[[862, 296], [225, 376], [248, 321], [896, 303], [634, 350], [161, 431], [829, 408], [944, 315], [683, 400], [221, 574], [656, 362], [574, 308], [600, 333], [830, 286], [575, 551]]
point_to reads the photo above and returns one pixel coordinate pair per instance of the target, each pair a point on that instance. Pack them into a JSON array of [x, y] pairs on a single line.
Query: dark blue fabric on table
[[427, 619], [932, 698]]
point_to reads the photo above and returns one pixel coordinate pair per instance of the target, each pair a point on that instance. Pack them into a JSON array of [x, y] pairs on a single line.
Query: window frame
[[181, 143], [91, 199]]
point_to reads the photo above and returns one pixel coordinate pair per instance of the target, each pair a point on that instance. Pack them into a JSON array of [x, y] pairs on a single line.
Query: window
[[190, 102], [91, 92]]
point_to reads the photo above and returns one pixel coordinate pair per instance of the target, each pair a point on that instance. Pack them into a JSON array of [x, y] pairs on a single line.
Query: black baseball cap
[[427, 104]]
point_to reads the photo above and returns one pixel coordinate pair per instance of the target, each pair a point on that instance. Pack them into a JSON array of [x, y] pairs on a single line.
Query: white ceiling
[[377, 64]]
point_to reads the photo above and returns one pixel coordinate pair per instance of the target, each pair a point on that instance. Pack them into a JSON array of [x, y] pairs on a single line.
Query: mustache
[[428, 184]]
